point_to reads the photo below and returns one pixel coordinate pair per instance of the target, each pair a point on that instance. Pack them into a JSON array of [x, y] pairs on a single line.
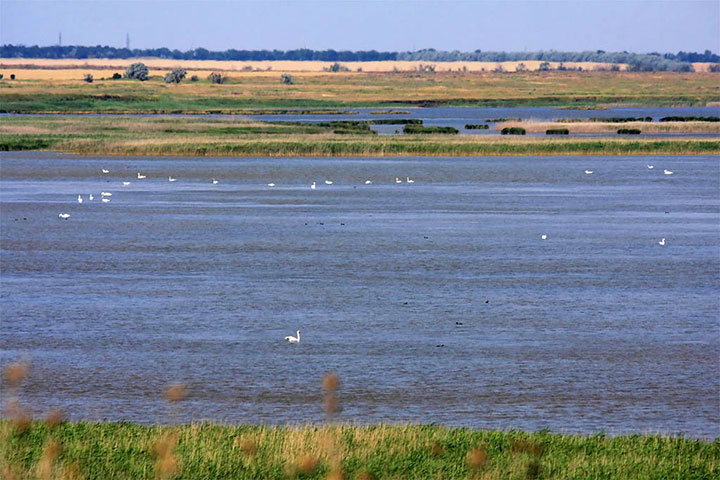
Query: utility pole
[[127, 41], [60, 39]]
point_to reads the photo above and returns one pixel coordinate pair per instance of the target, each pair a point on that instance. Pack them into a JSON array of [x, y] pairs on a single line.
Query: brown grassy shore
[[192, 136], [59, 92]]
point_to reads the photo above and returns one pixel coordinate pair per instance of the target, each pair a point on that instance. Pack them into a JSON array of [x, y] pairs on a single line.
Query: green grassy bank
[[127, 450]]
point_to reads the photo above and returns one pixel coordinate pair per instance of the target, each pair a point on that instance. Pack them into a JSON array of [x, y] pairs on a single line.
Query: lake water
[[435, 301]]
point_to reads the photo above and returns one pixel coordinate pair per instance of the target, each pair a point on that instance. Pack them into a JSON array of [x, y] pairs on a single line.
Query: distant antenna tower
[[127, 41], [60, 39]]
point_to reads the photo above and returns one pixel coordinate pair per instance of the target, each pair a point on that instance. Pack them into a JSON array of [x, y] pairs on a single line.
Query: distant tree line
[[637, 61]]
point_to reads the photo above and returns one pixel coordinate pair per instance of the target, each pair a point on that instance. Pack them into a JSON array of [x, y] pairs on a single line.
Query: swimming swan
[[171, 179], [80, 199], [312, 186], [662, 242], [140, 177], [588, 172], [64, 216], [292, 339], [667, 172]]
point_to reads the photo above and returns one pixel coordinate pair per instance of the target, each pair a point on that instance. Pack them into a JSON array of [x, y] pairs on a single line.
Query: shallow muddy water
[[435, 301]]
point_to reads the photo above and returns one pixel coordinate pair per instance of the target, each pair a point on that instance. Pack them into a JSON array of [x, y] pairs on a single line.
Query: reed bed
[[239, 137], [610, 127], [67, 450]]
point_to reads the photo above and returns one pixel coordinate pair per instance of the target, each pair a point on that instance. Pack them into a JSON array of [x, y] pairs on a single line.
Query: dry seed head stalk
[[175, 392], [15, 373], [54, 418], [307, 463], [166, 464], [477, 458], [331, 381]]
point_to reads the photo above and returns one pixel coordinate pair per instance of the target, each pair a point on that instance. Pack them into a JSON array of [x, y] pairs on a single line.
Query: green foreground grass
[[192, 136], [204, 451]]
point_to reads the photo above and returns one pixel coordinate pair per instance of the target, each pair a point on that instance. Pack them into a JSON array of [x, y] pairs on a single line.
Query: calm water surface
[[596, 328]]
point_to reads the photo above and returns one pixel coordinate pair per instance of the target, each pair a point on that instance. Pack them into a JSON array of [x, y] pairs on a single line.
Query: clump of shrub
[[177, 75], [194, 78], [498, 120], [88, 78], [397, 121], [419, 129], [137, 71], [336, 67], [12, 76], [512, 131], [287, 79], [426, 68], [116, 76], [620, 119], [690, 119], [629, 131], [1, 76], [557, 131], [216, 77], [476, 126]]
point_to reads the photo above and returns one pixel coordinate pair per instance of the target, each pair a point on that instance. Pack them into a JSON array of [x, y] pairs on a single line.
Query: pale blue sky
[[611, 25]]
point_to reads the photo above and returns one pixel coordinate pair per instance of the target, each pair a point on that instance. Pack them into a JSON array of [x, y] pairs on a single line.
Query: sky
[[640, 26]]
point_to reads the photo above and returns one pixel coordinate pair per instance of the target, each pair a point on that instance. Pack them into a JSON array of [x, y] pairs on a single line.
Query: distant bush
[[397, 121], [177, 75], [690, 119], [137, 71], [544, 67], [629, 131], [216, 78], [714, 68], [521, 67], [1, 76], [471, 126], [287, 79], [426, 68], [512, 131], [620, 119], [12, 76], [418, 129], [498, 120], [557, 131], [116, 76], [88, 78], [194, 78], [336, 67]]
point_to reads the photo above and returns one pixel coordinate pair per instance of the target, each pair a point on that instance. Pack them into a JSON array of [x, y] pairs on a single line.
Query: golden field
[[61, 69]]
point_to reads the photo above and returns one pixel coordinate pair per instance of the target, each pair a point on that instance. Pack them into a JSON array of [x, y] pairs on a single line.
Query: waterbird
[[64, 216], [543, 236], [292, 339], [91, 197], [667, 172], [125, 184], [328, 182], [140, 177], [105, 171], [588, 172], [458, 323], [397, 180], [105, 194], [368, 182], [80, 199], [409, 180], [171, 179], [215, 181], [105, 200], [662, 242], [271, 184], [651, 166], [312, 186]]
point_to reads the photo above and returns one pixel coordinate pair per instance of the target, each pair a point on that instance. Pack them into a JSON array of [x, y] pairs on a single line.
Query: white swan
[[368, 182], [79, 198], [140, 177], [105, 171], [125, 184], [171, 179], [651, 166], [543, 236], [292, 339], [105, 194], [588, 172], [271, 184], [91, 197], [409, 180], [105, 200], [64, 216], [667, 172], [397, 180], [662, 242], [215, 181], [328, 182], [312, 186]]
